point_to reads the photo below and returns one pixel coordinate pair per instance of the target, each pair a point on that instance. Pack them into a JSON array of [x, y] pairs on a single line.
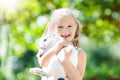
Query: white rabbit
[[54, 68]]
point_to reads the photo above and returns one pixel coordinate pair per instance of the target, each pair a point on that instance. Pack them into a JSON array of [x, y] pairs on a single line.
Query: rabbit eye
[[45, 39]]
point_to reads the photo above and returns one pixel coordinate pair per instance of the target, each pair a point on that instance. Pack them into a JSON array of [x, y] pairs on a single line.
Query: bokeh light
[[9, 5]]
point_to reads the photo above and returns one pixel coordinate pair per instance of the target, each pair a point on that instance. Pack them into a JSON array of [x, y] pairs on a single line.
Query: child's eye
[[60, 26], [69, 26]]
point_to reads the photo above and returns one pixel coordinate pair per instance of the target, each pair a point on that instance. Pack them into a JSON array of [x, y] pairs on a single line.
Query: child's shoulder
[[78, 49], [81, 52]]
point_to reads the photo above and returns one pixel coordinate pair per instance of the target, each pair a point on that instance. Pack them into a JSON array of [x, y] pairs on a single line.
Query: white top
[[55, 68]]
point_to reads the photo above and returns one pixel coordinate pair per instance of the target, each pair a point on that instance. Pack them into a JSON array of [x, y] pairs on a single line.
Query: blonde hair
[[57, 14]]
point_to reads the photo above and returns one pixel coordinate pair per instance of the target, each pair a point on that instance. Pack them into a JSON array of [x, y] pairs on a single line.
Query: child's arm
[[77, 73], [44, 59]]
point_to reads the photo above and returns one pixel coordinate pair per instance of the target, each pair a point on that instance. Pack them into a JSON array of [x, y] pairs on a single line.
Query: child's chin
[[67, 39]]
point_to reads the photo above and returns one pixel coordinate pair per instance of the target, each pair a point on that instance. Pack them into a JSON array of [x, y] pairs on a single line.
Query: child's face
[[66, 27]]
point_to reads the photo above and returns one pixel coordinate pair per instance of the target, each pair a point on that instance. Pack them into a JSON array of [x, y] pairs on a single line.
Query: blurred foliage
[[22, 23]]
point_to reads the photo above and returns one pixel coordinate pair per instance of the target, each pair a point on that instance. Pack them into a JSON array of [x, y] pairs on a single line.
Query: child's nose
[[65, 29]]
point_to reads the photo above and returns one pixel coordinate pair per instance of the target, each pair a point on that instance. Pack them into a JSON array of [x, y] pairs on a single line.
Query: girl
[[64, 24]]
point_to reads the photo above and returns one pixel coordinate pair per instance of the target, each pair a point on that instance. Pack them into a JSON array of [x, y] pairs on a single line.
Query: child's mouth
[[65, 36]]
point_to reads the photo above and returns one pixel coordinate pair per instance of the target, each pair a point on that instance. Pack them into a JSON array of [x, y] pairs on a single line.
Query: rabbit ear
[[50, 28]]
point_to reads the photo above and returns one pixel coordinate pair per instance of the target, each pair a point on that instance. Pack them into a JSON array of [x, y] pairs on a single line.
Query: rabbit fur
[[54, 68]]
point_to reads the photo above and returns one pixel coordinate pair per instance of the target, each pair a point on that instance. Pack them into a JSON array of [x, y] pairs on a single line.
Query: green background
[[22, 24]]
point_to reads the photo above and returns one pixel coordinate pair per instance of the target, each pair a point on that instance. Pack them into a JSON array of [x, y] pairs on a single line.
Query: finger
[[68, 49]]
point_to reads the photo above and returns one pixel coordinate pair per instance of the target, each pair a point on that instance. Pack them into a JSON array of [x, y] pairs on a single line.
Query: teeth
[[65, 35]]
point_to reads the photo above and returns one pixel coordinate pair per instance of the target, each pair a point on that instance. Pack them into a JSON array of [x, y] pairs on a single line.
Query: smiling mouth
[[65, 36]]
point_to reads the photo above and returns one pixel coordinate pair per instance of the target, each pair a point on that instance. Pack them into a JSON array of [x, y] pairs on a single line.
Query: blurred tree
[[23, 22]]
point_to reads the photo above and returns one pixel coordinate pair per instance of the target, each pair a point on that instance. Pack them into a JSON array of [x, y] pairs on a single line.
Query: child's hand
[[64, 54], [64, 43]]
